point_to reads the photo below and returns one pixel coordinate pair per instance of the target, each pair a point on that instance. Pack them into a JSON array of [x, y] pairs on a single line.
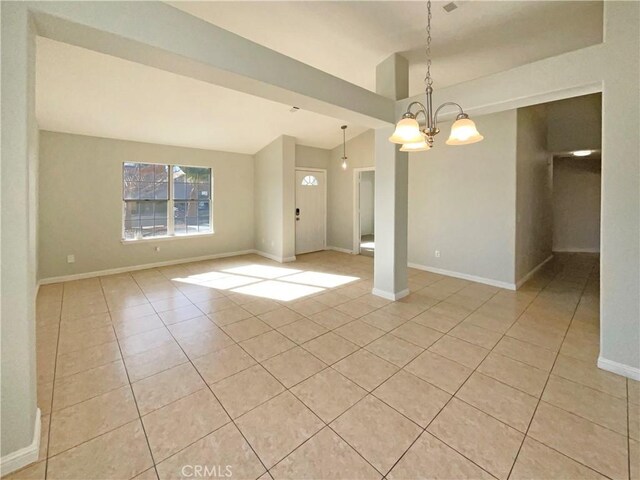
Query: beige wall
[[534, 215], [312, 157], [462, 202], [576, 204], [81, 204], [575, 124], [275, 199], [360, 153]]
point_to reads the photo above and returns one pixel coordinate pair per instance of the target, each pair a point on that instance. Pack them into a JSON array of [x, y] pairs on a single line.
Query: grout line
[[144, 430], [53, 385]]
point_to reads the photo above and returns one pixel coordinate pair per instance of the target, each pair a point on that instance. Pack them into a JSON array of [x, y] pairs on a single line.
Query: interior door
[[310, 211]]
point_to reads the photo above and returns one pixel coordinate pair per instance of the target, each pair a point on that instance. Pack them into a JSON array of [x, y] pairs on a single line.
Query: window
[[157, 204], [309, 181]]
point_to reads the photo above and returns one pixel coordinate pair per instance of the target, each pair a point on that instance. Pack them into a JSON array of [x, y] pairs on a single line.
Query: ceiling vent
[[450, 7]]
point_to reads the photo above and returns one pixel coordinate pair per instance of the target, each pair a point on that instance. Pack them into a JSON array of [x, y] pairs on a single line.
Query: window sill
[[165, 238]]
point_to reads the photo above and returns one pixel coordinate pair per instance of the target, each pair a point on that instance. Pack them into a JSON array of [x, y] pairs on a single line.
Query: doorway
[[364, 211], [311, 210]]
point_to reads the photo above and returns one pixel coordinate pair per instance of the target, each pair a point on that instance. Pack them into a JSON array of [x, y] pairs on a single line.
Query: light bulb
[[344, 164], [582, 153]]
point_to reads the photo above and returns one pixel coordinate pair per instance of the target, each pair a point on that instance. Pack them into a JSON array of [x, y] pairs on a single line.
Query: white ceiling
[[85, 92], [348, 39], [90, 93]]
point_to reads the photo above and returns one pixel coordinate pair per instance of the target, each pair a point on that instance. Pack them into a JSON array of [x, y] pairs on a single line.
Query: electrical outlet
[[71, 259], [157, 249], [437, 253]]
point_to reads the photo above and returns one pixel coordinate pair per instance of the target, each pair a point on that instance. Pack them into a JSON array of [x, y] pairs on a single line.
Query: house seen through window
[[165, 200]]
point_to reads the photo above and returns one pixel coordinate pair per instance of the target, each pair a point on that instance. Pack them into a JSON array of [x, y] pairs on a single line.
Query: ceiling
[[85, 92], [89, 93], [348, 39]]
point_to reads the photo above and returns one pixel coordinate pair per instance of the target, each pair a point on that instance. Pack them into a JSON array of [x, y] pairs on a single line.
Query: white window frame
[[170, 206]]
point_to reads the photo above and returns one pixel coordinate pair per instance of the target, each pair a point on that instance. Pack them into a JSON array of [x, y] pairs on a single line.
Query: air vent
[[450, 7]]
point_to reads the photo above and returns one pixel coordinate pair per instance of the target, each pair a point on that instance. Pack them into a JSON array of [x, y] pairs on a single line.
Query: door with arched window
[[311, 199]]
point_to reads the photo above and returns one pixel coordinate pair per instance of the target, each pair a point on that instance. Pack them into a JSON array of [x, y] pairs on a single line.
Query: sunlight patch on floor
[[277, 290]]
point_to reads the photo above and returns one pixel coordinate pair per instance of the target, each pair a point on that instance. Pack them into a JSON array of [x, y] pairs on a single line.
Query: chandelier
[[417, 138]]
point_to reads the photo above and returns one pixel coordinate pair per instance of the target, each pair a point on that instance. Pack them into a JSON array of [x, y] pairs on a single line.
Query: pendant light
[[344, 147], [414, 137]]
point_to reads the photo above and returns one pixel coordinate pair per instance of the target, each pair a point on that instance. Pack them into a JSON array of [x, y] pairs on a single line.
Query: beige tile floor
[[161, 373]]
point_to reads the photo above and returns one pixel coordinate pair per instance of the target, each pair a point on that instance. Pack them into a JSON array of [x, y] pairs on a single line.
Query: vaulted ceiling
[[85, 92]]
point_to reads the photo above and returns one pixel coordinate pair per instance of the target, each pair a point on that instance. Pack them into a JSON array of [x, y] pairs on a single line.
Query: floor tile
[[165, 387], [482, 439], [537, 461], [293, 366], [325, 455], [74, 425], [267, 345], [394, 349], [121, 453], [518, 375], [457, 312], [223, 448], [73, 341], [331, 318], [476, 335], [328, 394], [439, 371], [277, 427], [246, 390], [383, 320], [245, 329], [231, 315], [356, 308], [511, 406], [417, 334], [145, 341], [261, 306], [90, 383], [203, 343], [154, 361], [593, 405], [418, 400], [365, 369], [191, 327], [178, 424], [330, 347], [429, 458], [379, 433], [279, 317], [460, 351], [359, 332], [526, 353], [436, 321], [597, 447], [587, 373], [87, 358], [223, 363], [302, 330]]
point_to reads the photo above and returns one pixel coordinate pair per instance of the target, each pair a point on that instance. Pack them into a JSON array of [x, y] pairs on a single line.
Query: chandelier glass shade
[[417, 137]]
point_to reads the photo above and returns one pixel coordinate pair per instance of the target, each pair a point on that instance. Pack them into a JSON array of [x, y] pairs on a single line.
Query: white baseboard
[[619, 368], [577, 250], [339, 249], [390, 295], [21, 458], [464, 276], [524, 279], [275, 258], [133, 268]]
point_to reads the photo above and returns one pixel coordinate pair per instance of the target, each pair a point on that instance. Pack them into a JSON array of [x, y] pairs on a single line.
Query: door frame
[[326, 179], [356, 206]]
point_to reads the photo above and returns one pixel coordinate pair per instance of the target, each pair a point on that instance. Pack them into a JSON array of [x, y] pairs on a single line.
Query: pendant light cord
[[427, 79]]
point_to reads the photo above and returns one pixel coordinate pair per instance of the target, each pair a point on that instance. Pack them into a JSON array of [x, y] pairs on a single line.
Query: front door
[[310, 211]]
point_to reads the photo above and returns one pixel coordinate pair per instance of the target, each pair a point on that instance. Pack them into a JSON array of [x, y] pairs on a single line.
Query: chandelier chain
[[427, 79]]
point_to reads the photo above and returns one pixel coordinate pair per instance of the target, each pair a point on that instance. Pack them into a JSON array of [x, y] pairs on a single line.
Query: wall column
[[20, 417], [391, 192]]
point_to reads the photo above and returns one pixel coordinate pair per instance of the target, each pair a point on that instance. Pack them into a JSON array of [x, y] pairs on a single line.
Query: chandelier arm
[[446, 104]]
